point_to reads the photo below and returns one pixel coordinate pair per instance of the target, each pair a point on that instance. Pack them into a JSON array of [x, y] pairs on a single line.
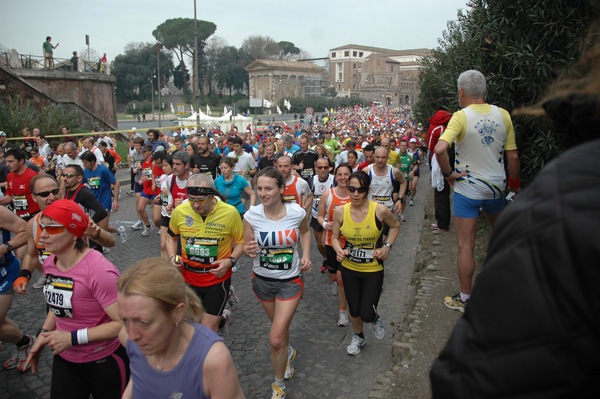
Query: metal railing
[[37, 62]]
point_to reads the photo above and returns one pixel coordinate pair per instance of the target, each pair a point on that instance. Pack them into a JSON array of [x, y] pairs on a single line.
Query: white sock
[[464, 297], [280, 383]]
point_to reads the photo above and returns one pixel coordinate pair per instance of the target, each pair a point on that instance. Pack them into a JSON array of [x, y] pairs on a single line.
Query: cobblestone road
[[323, 369]]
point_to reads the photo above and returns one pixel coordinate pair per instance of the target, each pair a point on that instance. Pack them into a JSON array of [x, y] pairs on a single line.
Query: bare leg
[[465, 232]]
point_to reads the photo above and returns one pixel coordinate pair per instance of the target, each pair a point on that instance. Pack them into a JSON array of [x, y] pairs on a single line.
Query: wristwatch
[[8, 247], [233, 260], [446, 174], [388, 245]]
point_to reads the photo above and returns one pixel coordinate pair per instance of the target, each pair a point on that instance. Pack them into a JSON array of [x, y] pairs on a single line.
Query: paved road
[[323, 369]]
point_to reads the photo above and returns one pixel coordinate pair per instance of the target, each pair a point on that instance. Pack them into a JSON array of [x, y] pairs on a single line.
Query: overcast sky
[[314, 26]]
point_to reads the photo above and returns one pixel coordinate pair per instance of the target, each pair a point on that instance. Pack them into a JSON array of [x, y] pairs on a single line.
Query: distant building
[[274, 80], [376, 74]]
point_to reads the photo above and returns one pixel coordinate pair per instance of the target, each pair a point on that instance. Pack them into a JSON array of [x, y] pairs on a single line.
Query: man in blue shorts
[[482, 133]]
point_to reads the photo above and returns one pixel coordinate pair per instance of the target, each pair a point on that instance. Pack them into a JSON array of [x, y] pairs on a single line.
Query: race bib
[[59, 294], [137, 165], [290, 198], [157, 181], [364, 253], [20, 202], [147, 172], [277, 258], [307, 173], [43, 255], [201, 250], [94, 182]]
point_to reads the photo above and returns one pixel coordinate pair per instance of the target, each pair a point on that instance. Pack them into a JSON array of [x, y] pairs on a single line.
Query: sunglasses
[[45, 194], [52, 228], [361, 190], [198, 201], [67, 175]]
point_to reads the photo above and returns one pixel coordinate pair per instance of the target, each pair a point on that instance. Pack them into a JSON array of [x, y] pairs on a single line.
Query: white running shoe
[[147, 230], [278, 392], [343, 320], [122, 234], [232, 298], [224, 331], [334, 288], [355, 344], [289, 367], [40, 283], [378, 329], [137, 225]]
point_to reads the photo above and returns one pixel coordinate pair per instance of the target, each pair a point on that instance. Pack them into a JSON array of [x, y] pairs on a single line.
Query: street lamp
[[196, 94], [151, 79], [159, 39]]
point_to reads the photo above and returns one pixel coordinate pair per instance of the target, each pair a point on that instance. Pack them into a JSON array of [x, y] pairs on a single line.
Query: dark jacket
[[532, 326]]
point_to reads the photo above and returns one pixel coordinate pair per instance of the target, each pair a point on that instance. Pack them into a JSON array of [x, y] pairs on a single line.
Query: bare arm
[[305, 263], [250, 244], [323, 210], [336, 242], [11, 222], [219, 377], [248, 190]]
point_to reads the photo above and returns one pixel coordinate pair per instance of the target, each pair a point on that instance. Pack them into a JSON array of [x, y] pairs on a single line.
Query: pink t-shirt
[[78, 298]]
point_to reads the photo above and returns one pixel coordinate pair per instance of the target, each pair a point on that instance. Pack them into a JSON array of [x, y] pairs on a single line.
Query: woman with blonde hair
[[171, 353]]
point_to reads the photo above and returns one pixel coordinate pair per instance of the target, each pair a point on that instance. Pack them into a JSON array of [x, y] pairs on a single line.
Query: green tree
[[181, 76], [135, 69], [287, 49], [177, 35], [521, 47], [230, 74]]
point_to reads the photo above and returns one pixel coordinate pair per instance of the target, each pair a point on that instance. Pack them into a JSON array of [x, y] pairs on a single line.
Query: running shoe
[[235, 267], [17, 360], [378, 329], [122, 234], [455, 303], [436, 227], [130, 192], [355, 344], [232, 298], [289, 367], [147, 230], [224, 329], [278, 392], [324, 267], [40, 283], [412, 203], [334, 289], [137, 225], [402, 217], [343, 320]]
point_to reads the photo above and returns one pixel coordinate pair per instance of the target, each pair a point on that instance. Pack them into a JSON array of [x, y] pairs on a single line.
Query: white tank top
[[318, 189], [382, 187]]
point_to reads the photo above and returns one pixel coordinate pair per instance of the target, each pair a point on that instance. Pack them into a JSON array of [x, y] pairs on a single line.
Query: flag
[[278, 110], [266, 103], [208, 110], [172, 109], [224, 110], [191, 110], [287, 104]]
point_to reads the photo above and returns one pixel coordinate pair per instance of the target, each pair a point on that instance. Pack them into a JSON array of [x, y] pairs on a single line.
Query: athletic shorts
[[315, 224], [164, 221], [138, 188], [214, 297], [9, 271], [268, 289], [464, 207], [150, 197], [332, 264]]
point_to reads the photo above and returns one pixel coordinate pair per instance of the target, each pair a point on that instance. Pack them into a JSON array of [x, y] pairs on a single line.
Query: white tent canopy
[[225, 122]]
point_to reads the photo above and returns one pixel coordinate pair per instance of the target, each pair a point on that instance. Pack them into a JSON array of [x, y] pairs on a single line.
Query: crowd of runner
[[349, 178]]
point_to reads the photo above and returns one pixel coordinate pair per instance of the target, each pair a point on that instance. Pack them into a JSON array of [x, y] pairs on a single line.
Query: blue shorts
[[150, 197], [9, 271], [138, 188], [464, 207]]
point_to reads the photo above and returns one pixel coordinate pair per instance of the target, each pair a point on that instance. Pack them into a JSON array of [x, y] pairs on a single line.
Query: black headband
[[204, 191]]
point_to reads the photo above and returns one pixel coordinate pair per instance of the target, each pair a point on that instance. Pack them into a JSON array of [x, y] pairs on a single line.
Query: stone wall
[[90, 95]]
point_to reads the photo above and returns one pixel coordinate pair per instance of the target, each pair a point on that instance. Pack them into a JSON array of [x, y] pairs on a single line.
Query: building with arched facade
[[376, 74]]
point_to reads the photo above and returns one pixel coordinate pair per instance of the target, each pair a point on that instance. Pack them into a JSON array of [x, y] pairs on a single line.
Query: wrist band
[[25, 273], [82, 336], [74, 338], [515, 184], [324, 225]]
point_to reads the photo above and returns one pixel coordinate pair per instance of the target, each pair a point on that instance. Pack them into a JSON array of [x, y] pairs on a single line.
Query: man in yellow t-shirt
[[211, 235], [482, 134], [393, 156]]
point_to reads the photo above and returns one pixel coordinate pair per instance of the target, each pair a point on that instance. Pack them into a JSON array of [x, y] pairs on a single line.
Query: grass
[[122, 150]]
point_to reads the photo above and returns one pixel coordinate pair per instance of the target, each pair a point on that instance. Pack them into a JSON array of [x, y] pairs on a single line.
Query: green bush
[[17, 113]]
